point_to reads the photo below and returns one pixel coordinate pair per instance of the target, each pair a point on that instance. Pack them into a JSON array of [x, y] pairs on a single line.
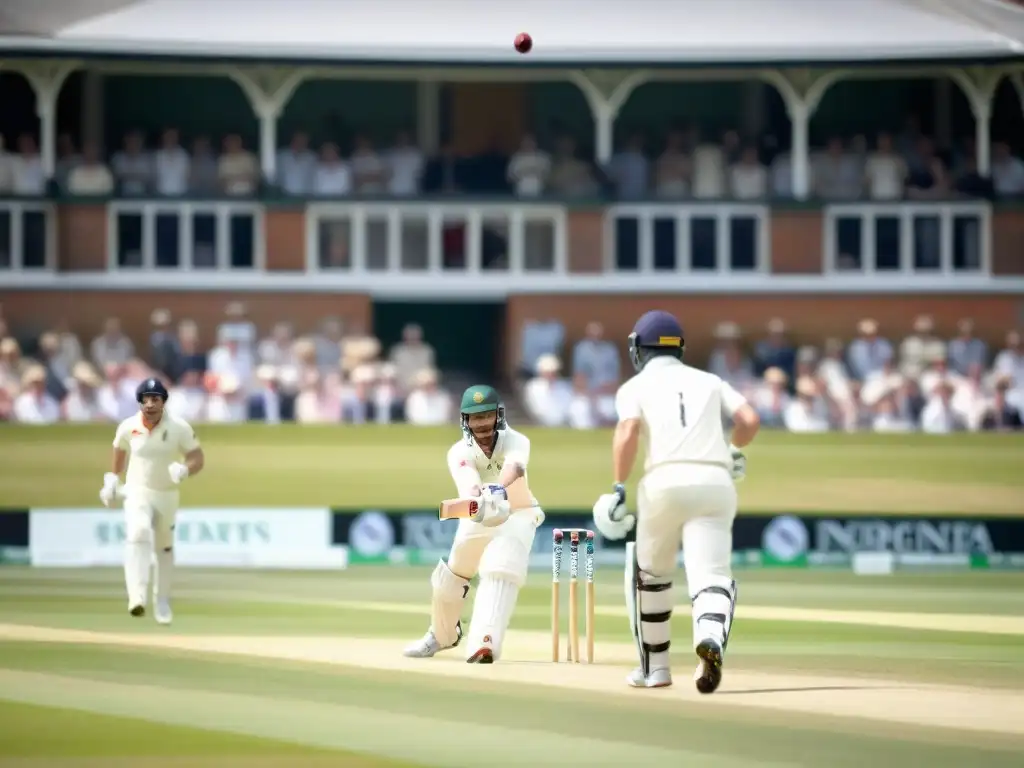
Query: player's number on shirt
[[682, 410]]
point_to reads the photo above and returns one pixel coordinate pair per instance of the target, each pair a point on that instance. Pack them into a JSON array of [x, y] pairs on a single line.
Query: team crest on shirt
[[136, 433]]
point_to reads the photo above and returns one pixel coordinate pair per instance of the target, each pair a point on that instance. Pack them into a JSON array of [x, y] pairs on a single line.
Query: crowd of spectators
[[924, 383], [334, 375], [683, 164]]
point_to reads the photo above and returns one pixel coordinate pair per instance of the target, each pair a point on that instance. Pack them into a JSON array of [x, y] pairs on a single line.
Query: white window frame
[[185, 210], [17, 210]]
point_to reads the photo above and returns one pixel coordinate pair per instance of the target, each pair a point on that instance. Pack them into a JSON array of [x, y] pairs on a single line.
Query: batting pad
[[506, 557], [446, 604], [713, 607], [492, 610], [650, 607]]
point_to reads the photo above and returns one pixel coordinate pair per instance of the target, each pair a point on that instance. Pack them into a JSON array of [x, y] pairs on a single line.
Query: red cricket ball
[[524, 43]]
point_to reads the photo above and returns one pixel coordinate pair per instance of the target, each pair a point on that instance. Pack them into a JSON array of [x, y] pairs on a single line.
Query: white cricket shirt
[[470, 466], [151, 453], [681, 410]]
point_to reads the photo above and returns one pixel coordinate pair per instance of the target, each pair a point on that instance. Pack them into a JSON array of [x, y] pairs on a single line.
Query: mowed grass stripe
[[440, 741]]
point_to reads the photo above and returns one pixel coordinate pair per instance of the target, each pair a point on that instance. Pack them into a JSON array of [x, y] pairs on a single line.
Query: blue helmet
[[655, 330], [151, 387]]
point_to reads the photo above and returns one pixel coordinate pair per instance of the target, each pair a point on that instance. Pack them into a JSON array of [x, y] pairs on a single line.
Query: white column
[[606, 97], [46, 79], [979, 86], [428, 115], [800, 147], [982, 108], [268, 89]]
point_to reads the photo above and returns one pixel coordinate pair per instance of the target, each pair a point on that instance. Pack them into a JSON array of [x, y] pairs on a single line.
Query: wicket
[[572, 651]]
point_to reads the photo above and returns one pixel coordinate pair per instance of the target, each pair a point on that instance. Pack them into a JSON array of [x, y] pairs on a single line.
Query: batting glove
[[611, 517], [739, 464], [178, 472]]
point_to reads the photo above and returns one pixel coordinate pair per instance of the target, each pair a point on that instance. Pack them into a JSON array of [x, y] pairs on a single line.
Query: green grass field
[[289, 668], [403, 467]]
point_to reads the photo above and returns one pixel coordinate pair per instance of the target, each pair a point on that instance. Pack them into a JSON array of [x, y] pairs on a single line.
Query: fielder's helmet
[[151, 387], [655, 330]]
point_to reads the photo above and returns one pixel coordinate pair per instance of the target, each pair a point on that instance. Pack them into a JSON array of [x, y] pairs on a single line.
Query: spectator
[[938, 416], [387, 398], [265, 399], [306, 367], [369, 174], [204, 174], [82, 403], [598, 359], [581, 407], [171, 165], [1010, 362], [709, 172], [887, 417], [34, 405], [1001, 415], [869, 352], [427, 404], [190, 358], [885, 171], [230, 358], [27, 174], [539, 337], [529, 168], [748, 179], [296, 166], [318, 401], [112, 346], [672, 170], [187, 399], [328, 343], [971, 183], [70, 348], [728, 361], [966, 350], [970, 399], [237, 170], [1007, 171], [133, 167], [49, 347], [163, 344], [936, 373], [877, 384], [332, 176], [775, 351], [837, 174], [411, 355], [277, 350], [547, 396], [782, 176], [12, 365], [808, 412], [357, 406], [238, 325], [117, 394], [67, 160], [629, 170], [90, 176], [228, 403], [6, 169], [920, 347], [570, 176], [771, 398], [404, 167], [445, 173]]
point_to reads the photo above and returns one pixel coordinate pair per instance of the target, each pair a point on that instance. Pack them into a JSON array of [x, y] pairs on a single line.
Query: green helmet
[[481, 398]]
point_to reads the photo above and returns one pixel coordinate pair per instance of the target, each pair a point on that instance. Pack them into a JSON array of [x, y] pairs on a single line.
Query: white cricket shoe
[[163, 613], [428, 645], [708, 675], [659, 678]]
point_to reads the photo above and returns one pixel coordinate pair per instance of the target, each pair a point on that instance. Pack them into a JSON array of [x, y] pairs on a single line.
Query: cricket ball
[[523, 43]]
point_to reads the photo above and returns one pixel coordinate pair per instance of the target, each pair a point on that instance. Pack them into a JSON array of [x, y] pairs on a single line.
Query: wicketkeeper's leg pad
[[649, 604], [449, 592]]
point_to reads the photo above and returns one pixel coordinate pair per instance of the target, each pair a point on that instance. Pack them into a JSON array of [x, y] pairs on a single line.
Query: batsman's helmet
[[656, 333], [481, 398], [151, 387]]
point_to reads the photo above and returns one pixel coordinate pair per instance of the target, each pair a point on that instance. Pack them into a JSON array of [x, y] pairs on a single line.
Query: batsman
[[489, 462]]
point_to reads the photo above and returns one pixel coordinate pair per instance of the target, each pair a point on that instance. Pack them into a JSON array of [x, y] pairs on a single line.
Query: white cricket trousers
[[692, 504], [155, 511]]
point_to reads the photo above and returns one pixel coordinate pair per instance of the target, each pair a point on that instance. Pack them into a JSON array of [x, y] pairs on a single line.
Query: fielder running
[[164, 451], [688, 490], [489, 462]]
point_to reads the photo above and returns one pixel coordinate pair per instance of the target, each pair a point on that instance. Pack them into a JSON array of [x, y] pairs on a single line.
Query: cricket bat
[[458, 509]]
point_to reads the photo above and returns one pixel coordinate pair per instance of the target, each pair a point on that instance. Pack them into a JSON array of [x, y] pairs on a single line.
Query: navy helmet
[[655, 330], [151, 387]]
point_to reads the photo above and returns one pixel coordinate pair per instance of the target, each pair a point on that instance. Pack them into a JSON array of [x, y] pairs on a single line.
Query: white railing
[[909, 243], [28, 238], [657, 239], [429, 241], [167, 236]]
